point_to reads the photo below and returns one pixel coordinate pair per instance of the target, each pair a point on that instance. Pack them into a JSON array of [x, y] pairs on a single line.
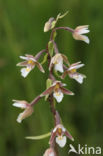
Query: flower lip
[[61, 141]]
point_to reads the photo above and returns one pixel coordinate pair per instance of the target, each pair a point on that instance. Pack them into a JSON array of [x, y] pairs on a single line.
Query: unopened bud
[[49, 152], [50, 24]]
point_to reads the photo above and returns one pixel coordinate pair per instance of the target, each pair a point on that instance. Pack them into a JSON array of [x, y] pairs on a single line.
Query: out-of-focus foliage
[[21, 31]]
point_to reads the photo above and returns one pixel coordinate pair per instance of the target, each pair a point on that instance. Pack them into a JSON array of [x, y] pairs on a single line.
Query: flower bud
[[50, 24], [49, 152]]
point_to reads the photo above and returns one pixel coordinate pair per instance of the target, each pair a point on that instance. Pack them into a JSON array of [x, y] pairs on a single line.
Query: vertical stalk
[[51, 99]]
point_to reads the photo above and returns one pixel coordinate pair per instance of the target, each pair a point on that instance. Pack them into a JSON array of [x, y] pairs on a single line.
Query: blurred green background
[[21, 32]]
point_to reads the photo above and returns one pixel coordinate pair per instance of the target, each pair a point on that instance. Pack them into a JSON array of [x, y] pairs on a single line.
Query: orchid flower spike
[[58, 90], [60, 133], [23, 105], [29, 64], [57, 62], [79, 31], [72, 72], [50, 152]]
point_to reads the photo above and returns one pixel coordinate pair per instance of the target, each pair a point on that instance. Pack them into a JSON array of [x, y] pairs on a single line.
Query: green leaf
[[48, 84], [44, 59], [39, 137], [50, 48]]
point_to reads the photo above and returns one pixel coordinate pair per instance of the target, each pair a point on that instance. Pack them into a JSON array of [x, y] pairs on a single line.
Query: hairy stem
[[58, 28], [39, 54], [35, 100]]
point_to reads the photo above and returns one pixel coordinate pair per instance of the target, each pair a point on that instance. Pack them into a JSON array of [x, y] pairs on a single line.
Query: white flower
[[72, 72], [57, 88], [61, 140], [77, 34], [60, 133], [29, 64], [23, 105], [57, 62]]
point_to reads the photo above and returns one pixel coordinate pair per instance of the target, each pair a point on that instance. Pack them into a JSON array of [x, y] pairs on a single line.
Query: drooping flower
[[57, 62], [72, 72], [49, 152], [61, 135], [58, 90], [23, 105], [79, 32], [29, 64], [50, 24]]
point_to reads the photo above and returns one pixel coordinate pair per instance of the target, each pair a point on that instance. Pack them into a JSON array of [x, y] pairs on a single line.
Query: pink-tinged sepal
[[53, 135], [24, 63], [66, 91], [48, 91], [40, 67], [69, 135]]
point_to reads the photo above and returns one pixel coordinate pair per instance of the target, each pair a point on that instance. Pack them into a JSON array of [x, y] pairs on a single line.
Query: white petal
[[20, 105], [79, 78], [24, 57], [19, 118], [58, 96], [61, 140], [25, 71], [86, 39], [76, 66], [83, 31]]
